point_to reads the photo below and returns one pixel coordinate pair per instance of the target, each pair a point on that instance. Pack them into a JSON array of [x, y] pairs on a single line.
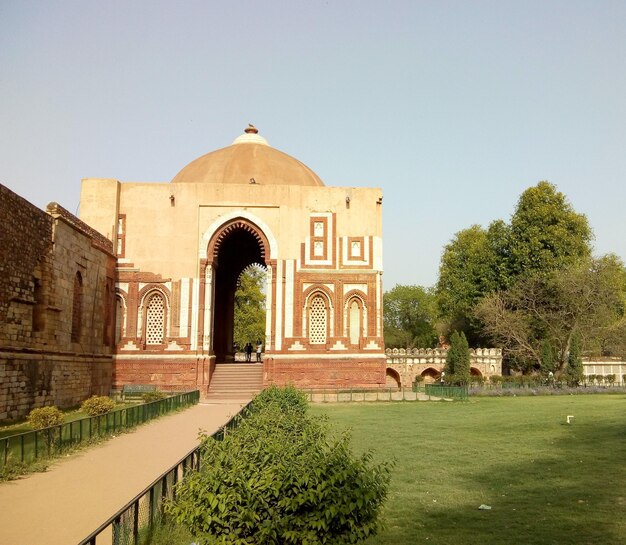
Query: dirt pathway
[[65, 504]]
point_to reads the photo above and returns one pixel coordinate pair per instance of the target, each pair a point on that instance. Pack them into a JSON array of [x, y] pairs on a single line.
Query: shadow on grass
[[572, 493]]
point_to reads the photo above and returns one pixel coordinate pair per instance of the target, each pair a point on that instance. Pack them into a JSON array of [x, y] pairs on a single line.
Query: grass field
[[547, 482]]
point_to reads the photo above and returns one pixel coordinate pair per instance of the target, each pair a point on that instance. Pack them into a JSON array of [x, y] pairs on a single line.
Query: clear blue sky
[[453, 108]]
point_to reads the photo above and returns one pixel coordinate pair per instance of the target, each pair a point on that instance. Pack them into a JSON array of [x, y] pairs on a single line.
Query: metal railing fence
[[448, 392], [385, 393], [28, 447], [134, 523]]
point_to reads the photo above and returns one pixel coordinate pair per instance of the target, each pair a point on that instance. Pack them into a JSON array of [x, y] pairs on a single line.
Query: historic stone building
[[404, 366], [182, 245], [57, 297]]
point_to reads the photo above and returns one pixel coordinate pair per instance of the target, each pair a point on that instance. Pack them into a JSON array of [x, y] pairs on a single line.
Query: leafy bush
[[496, 379], [44, 417], [167, 533], [155, 395], [287, 398], [280, 478], [97, 405]]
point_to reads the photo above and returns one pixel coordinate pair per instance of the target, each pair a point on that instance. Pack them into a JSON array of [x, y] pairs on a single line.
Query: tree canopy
[[537, 318], [409, 317], [249, 322], [544, 235], [466, 274]]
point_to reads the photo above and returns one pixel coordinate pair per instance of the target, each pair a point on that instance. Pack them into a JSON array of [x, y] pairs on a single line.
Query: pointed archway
[[235, 246]]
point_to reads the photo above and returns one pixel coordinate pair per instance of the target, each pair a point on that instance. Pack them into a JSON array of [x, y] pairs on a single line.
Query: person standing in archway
[[259, 349], [249, 352]]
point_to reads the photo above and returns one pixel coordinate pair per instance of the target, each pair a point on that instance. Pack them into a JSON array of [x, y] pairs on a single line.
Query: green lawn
[[547, 482]]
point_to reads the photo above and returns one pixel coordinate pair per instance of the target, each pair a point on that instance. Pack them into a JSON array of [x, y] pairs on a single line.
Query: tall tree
[[586, 299], [466, 274], [458, 359], [546, 233], [409, 317], [574, 370], [249, 322]]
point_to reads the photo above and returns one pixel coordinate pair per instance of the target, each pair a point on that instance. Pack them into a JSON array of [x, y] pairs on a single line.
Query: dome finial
[[251, 136]]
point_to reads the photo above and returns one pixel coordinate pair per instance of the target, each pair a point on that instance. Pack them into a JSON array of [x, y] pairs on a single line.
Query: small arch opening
[[392, 379], [77, 308], [431, 375]]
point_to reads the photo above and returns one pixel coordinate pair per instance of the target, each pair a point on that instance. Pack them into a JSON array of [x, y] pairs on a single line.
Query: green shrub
[[496, 379], [286, 398], [458, 359], [547, 356], [280, 478], [166, 533], [574, 369], [45, 417], [97, 405], [155, 395]]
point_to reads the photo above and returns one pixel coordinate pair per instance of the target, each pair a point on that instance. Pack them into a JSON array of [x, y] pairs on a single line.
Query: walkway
[[65, 504]]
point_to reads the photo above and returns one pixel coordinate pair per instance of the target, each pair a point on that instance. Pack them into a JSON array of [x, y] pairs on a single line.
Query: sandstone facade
[[182, 245]]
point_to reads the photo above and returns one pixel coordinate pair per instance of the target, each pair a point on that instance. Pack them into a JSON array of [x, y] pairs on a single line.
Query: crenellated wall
[[404, 365]]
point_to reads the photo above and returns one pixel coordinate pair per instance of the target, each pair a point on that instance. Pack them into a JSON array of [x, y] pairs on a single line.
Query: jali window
[[155, 319], [318, 319]]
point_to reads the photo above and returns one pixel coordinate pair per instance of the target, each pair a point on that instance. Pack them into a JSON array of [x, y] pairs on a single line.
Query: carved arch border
[[361, 298], [143, 296], [122, 296], [328, 295], [213, 237]]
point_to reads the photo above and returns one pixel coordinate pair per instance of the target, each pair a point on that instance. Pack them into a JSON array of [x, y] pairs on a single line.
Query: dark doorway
[[239, 247]]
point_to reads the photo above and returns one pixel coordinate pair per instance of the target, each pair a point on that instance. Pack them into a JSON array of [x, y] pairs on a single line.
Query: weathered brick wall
[[28, 381], [25, 242], [40, 364], [166, 374], [335, 373]]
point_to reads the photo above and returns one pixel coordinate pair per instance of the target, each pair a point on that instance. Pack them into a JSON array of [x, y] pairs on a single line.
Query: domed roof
[[249, 159]]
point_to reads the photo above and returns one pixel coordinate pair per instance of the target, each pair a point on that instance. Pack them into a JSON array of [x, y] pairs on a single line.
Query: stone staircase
[[235, 382]]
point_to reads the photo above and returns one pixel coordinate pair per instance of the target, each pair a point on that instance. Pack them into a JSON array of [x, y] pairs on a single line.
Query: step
[[235, 381]]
